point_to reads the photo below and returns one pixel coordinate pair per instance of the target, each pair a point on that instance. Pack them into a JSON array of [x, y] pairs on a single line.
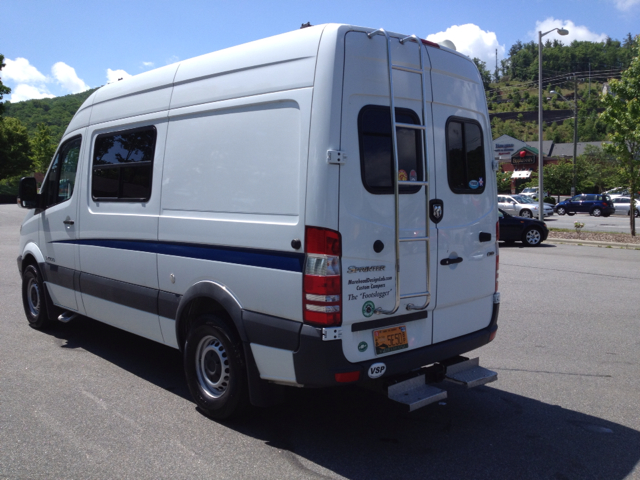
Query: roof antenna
[[306, 25]]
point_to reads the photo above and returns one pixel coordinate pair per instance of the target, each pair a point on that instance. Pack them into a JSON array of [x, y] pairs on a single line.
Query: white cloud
[[21, 71], [28, 92], [626, 5], [147, 64], [172, 59], [580, 33], [115, 75], [66, 76], [472, 41]]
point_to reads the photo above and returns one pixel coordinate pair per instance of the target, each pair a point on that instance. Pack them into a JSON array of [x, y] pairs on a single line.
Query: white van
[[312, 209]]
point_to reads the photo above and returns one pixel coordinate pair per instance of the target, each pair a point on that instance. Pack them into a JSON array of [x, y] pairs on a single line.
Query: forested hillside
[[55, 112], [578, 70]]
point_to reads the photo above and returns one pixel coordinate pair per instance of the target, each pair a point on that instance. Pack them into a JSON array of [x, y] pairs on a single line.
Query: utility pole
[[497, 66], [575, 131]]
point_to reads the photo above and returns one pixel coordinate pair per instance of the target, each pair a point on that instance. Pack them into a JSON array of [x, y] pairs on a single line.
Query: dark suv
[[596, 204]]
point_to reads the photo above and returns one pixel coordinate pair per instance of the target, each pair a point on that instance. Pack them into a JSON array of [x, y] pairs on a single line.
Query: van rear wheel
[[33, 298], [215, 368]]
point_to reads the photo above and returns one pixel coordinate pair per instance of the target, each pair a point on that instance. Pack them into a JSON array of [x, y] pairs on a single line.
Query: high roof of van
[[280, 62]]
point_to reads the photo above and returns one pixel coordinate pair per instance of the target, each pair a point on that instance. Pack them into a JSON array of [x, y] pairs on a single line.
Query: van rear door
[[367, 201], [467, 249]]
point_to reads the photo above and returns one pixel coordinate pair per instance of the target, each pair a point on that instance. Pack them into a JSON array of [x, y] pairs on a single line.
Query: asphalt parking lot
[[85, 400]]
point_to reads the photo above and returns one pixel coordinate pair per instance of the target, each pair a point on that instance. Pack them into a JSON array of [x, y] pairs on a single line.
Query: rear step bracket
[[470, 374], [415, 393]]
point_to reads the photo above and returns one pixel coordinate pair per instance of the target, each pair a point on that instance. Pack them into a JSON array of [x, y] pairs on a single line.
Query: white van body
[[252, 146]]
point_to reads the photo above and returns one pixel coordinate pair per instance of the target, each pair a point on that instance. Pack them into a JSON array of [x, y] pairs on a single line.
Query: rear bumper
[[316, 361]]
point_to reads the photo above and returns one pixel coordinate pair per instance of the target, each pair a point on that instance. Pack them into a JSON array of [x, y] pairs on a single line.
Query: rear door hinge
[[336, 157]]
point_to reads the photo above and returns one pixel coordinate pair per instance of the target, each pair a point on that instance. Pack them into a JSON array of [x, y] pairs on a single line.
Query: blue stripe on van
[[287, 261]]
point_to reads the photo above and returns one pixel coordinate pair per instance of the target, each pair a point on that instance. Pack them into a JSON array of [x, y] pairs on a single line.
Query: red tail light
[[322, 284]]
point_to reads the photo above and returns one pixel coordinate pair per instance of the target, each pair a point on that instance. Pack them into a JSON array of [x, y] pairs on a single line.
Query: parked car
[[532, 192], [623, 206], [596, 204], [522, 206], [529, 231]]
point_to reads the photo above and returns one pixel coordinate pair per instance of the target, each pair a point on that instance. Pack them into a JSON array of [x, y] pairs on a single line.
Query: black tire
[[571, 214], [561, 211], [525, 213], [532, 237], [215, 368], [596, 212], [635, 214], [33, 298]]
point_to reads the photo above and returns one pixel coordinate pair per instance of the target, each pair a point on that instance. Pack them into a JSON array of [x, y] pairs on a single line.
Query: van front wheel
[[215, 368], [33, 298]]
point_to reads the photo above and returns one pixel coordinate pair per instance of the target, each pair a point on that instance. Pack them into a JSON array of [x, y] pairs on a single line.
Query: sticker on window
[[473, 184], [402, 176]]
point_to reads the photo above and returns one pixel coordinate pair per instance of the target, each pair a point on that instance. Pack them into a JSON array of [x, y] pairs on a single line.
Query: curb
[[593, 243]]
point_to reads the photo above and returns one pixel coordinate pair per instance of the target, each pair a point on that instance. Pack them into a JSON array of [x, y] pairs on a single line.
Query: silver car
[[522, 206], [623, 205]]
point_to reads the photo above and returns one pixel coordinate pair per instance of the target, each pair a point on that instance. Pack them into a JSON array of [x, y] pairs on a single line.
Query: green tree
[[484, 73], [601, 168], [4, 90], [504, 181], [14, 148], [622, 114], [42, 148]]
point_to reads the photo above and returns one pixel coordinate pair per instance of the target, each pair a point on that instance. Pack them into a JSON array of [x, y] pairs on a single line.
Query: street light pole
[[575, 132], [561, 31]]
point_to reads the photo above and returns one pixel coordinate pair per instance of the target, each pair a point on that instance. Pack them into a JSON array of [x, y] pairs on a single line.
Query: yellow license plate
[[390, 339]]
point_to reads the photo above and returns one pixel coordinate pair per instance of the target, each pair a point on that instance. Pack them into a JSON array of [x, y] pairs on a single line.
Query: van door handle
[[68, 222], [450, 261]]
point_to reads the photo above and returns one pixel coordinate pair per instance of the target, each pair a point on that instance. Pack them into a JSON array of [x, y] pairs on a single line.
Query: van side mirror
[[28, 193]]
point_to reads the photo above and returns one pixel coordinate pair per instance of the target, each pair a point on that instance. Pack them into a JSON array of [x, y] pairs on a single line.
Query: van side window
[[123, 165], [376, 156], [59, 185], [465, 156]]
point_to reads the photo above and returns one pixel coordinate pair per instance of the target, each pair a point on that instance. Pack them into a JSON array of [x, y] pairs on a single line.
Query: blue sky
[[54, 48]]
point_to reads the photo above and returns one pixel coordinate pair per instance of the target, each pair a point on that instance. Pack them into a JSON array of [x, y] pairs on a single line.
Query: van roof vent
[[448, 44]]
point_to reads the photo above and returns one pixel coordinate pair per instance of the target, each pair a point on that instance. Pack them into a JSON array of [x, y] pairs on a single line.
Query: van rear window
[[465, 156], [123, 165], [376, 157]]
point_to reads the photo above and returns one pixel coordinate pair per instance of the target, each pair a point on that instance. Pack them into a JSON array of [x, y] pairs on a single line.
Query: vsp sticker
[[377, 370], [368, 308]]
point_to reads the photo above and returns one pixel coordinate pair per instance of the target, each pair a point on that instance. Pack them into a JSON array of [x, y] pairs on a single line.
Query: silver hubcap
[[212, 366], [533, 237], [596, 213], [33, 297], [526, 214]]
